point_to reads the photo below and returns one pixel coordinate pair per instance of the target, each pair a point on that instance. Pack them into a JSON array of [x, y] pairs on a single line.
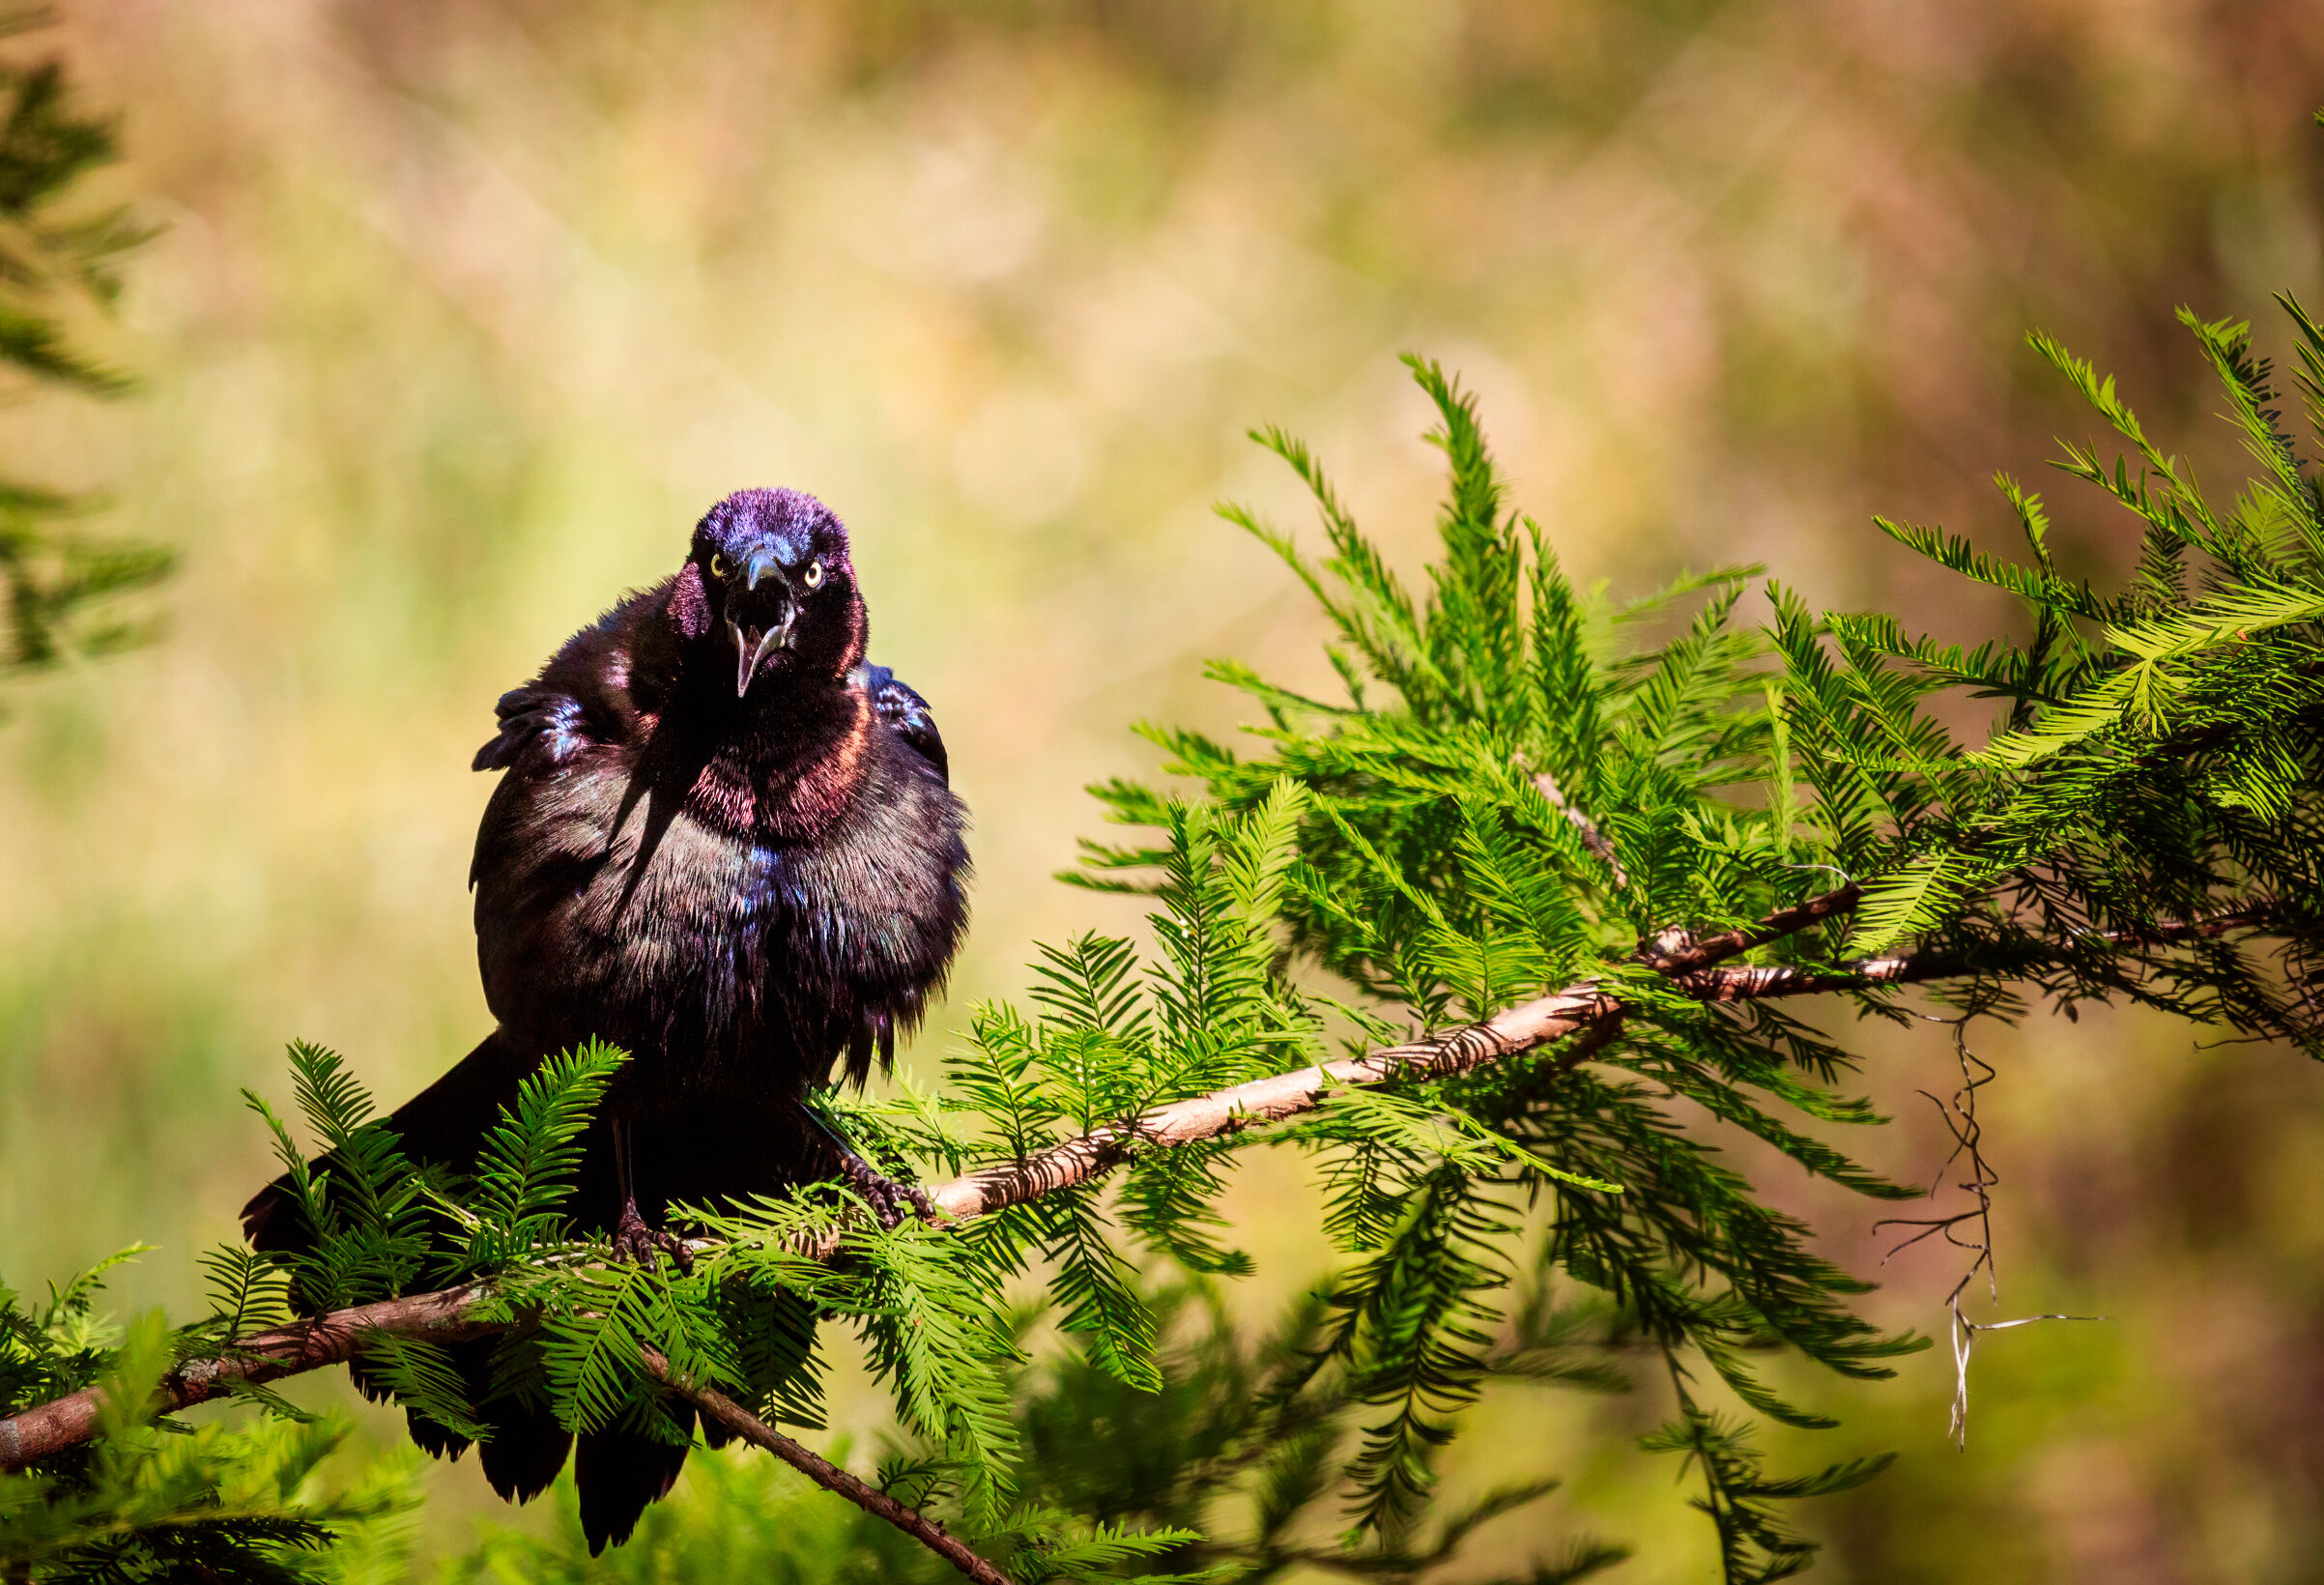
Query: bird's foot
[[888, 1198], [639, 1245]]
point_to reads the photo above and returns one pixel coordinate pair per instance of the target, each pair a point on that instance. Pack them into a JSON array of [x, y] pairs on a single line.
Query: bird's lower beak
[[751, 647]]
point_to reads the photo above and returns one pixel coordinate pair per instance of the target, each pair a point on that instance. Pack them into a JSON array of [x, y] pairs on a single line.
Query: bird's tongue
[[750, 647]]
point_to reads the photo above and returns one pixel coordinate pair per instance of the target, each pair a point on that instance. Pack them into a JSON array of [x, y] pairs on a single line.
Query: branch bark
[[1521, 1028], [1676, 951], [443, 1316], [1687, 963]]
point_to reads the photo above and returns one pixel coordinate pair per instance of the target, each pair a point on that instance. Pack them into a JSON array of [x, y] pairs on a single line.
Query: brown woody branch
[[53, 1428], [1676, 951], [1725, 985], [1521, 1028], [1586, 1008], [445, 1316]]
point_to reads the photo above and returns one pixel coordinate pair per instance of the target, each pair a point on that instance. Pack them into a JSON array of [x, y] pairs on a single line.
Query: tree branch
[[444, 1316], [1521, 1028], [1587, 1006], [1593, 839]]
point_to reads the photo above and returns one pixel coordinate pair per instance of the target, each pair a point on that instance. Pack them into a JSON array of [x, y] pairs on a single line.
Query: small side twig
[[1678, 950], [713, 1404], [1593, 839]]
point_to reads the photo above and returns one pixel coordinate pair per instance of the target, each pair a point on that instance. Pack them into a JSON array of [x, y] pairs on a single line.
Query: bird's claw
[[888, 1198], [639, 1245]]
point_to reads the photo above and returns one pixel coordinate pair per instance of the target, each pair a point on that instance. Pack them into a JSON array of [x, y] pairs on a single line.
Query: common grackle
[[727, 845]]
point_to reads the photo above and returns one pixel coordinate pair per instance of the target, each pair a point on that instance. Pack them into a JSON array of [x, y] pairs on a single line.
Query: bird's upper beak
[[753, 641]]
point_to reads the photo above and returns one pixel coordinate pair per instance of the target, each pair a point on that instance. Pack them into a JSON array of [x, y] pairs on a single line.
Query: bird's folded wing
[[543, 720]]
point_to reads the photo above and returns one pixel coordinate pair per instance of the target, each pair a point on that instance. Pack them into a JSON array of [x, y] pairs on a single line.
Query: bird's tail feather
[[527, 1446], [527, 1449], [617, 1473]]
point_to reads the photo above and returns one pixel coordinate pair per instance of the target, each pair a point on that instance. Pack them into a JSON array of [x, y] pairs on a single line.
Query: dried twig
[[1593, 839], [713, 1404], [1960, 1114]]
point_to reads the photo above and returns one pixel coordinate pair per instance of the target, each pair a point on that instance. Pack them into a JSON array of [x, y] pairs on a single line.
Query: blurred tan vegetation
[[465, 312]]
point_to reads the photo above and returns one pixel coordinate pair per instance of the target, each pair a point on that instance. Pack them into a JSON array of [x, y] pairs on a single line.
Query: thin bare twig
[[1960, 1114], [713, 1404], [1593, 839]]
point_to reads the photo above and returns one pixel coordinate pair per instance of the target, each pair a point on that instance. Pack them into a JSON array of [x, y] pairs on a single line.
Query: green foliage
[[1755, 1545], [58, 1347], [367, 1207], [528, 1159], [1529, 788], [1226, 1474], [159, 1501], [57, 258], [1442, 872]]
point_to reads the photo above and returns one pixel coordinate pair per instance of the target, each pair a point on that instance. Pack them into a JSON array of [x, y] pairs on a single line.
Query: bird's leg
[[887, 1196], [632, 1240]]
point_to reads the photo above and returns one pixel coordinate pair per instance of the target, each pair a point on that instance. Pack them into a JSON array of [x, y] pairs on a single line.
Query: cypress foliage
[[58, 257], [150, 1499]]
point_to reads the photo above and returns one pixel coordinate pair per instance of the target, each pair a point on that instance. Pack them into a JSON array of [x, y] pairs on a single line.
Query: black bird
[[726, 844]]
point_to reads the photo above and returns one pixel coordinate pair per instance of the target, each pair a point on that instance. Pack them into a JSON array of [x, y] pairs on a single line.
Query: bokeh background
[[464, 311]]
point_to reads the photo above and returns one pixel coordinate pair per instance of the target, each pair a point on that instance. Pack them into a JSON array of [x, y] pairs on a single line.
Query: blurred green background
[[463, 312]]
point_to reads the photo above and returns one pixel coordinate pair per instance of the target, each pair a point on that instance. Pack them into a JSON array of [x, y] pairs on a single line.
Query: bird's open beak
[[751, 647], [751, 644]]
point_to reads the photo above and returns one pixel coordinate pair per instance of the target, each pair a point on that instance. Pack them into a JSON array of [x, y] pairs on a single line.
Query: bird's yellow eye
[[718, 565], [815, 574]]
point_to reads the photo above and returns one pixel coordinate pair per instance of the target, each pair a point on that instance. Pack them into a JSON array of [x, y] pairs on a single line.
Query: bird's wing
[[546, 719], [591, 692], [906, 714]]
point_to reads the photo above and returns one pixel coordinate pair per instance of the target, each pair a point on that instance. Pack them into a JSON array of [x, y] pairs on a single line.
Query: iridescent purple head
[[770, 571]]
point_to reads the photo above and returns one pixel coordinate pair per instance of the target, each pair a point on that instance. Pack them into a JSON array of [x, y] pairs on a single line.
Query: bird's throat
[[779, 762]]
